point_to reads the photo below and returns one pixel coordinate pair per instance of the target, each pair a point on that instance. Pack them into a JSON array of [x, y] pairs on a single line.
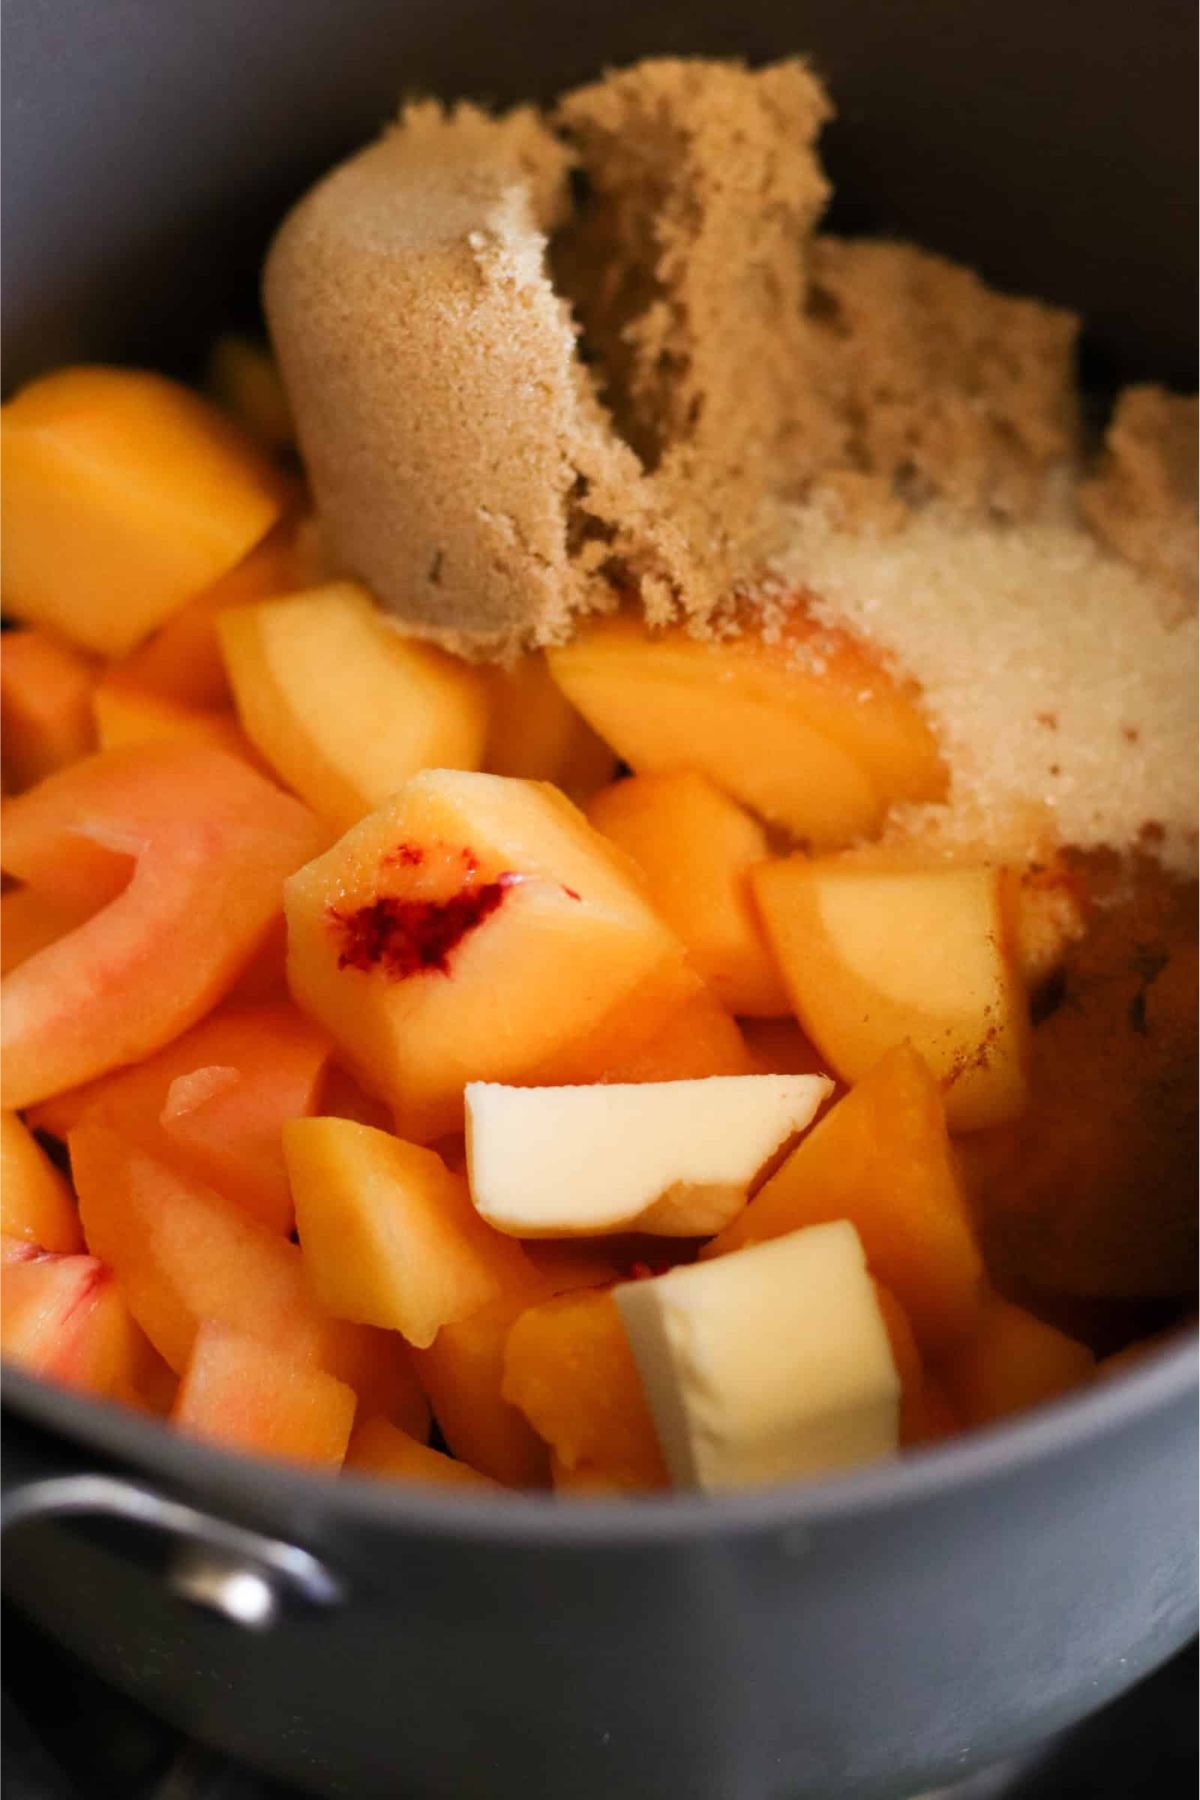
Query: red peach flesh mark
[[413, 937]]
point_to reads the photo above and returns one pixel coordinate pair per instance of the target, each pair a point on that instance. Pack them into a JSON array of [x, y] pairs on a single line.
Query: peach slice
[[128, 714], [29, 921], [45, 706], [62, 1317], [696, 1039], [873, 955], [246, 1395], [244, 381], [342, 705], [389, 1235], [926, 1415], [123, 495], [36, 1203], [881, 1158], [1011, 1361], [182, 1254], [536, 734], [809, 730], [477, 928], [695, 848], [182, 661], [378, 1448], [462, 1373], [568, 1366], [211, 842]]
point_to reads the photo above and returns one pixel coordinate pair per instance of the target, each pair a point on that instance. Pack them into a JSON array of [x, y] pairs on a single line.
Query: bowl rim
[[208, 1475]]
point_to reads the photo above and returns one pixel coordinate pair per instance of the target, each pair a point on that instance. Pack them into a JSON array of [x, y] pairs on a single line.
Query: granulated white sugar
[[1055, 682]]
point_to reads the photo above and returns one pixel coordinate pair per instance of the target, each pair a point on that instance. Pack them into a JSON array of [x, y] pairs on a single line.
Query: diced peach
[[926, 1415], [586, 1482], [696, 1039], [211, 842], [809, 731], [30, 920], [568, 1366], [536, 734], [389, 1235], [378, 1448], [1011, 1361], [255, 1397], [36, 1203], [182, 661], [244, 381], [462, 1372], [874, 955], [63, 1317], [123, 496], [128, 714], [182, 1254], [476, 928], [695, 847], [270, 1044], [45, 706], [779, 1047], [882, 1159], [342, 705]]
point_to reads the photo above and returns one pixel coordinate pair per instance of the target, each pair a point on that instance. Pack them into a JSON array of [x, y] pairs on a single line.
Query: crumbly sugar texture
[[1141, 502], [1064, 699], [552, 362]]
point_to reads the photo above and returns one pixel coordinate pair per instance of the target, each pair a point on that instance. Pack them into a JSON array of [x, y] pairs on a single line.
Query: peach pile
[[289, 894]]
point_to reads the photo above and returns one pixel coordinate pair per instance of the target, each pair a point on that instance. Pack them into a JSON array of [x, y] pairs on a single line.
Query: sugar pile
[[1048, 670]]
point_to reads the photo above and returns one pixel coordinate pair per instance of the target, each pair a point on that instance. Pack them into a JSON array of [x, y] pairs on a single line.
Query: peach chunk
[[535, 733], [36, 1203], [809, 730], [476, 928], [342, 705], [695, 848], [256, 1397], [389, 1235], [244, 381], [182, 1254], [568, 1366], [378, 1448], [128, 714], [211, 843], [63, 1317], [881, 1158], [926, 1415], [30, 920], [462, 1373], [45, 706], [1011, 1361], [182, 661], [875, 954], [697, 1039], [123, 495]]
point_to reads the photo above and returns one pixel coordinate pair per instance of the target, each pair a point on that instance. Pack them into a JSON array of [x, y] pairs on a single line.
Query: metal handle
[[238, 1574]]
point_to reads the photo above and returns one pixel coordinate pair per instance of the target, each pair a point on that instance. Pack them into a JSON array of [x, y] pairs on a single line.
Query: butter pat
[[675, 1158], [768, 1364]]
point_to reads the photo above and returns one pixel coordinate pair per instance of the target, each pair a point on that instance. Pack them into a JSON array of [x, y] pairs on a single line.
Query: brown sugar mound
[[1142, 500], [492, 478], [917, 373]]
